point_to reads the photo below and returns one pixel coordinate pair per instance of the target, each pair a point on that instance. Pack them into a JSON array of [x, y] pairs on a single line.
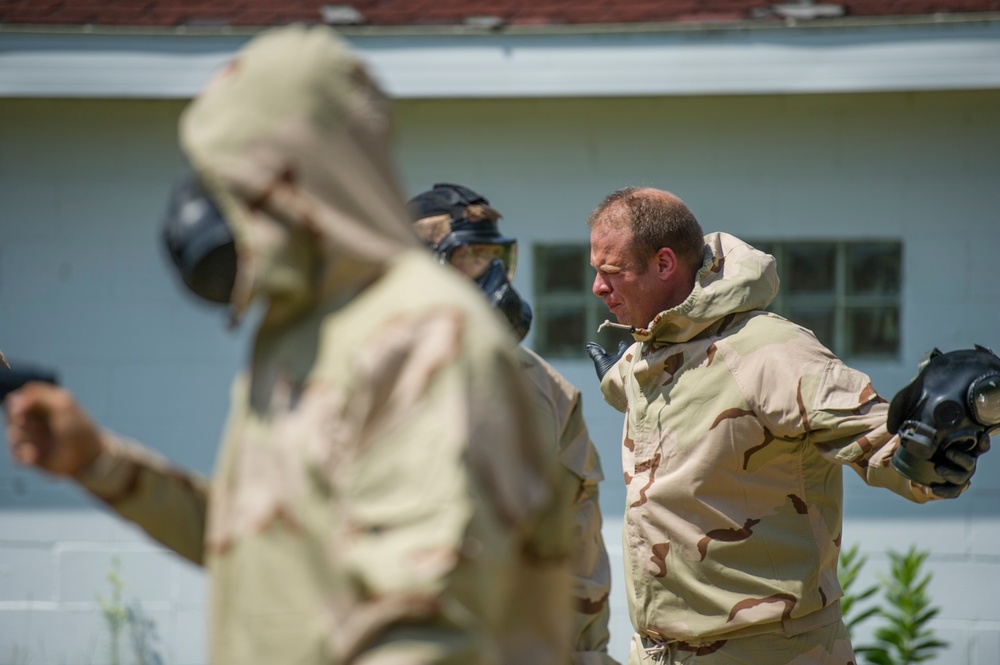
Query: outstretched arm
[[48, 429]]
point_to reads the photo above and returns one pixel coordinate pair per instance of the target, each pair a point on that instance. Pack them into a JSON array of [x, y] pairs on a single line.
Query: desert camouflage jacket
[[561, 412], [382, 494], [738, 424]]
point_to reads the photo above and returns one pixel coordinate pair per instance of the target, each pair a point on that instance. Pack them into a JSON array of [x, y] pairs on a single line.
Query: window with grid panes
[[566, 312], [847, 293]]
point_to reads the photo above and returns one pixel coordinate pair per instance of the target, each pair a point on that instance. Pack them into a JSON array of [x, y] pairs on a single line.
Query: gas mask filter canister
[[199, 242]]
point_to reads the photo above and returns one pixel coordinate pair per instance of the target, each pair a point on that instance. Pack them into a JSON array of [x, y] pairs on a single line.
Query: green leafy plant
[[113, 611], [905, 638], [851, 563], [130, 620], [908, 637], [143, 637]]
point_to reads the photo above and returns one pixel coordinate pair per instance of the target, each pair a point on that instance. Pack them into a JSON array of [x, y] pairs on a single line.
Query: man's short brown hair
[[656, 219]]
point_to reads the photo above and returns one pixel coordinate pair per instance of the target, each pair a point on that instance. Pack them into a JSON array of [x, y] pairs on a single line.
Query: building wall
[[84, 288]]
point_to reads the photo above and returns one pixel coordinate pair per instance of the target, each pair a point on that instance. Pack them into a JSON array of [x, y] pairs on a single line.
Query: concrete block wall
[[84, 288], [54, 588]]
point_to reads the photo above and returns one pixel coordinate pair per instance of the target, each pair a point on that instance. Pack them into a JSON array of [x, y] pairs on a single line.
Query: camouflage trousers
[[827, 645]]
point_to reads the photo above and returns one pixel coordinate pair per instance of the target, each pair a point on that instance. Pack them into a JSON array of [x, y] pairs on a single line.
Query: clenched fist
[[46, 428]]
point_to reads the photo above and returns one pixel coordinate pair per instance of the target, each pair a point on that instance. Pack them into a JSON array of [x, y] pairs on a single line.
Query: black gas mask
[[199, 242], [944, 418], [477, 248], [505, 297]]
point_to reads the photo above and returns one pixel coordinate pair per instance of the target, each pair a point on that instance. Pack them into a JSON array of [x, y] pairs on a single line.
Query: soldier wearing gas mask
[[382, 494], [460, 227]]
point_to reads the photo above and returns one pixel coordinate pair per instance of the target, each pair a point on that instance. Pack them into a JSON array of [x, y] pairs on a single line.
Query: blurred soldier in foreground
[[461, 228], [381, 494]]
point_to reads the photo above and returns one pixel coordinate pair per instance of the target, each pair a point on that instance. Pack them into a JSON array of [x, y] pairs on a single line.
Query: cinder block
[[146, 575], [965, 590], [52, 637], [27, 573], [87, 636], [959, 639], [984, 648], [985, 527], [191, 584], [190, 638], [18, 643], [75, 525]]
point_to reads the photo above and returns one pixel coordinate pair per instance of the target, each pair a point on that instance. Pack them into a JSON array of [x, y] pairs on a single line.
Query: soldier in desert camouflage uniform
[[382, 494], [461, 227], [737, 426]]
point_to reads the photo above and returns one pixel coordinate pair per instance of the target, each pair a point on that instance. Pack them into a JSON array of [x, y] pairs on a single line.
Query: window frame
[[593, 308], [840, 300]]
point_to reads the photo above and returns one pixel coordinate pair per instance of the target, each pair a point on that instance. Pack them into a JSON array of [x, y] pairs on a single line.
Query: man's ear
[[666, 263]]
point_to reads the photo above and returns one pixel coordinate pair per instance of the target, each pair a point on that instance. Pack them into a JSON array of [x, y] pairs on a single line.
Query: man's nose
[[600, 287]]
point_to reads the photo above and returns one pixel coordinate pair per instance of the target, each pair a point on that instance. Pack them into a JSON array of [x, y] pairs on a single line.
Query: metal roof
[[245, 13], [837, 57]]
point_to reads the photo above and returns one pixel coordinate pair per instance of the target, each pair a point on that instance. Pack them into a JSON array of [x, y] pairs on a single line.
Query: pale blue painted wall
[[83, 287]]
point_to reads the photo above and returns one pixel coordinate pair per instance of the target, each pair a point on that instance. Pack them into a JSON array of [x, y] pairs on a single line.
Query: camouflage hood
[[734, 277], [291, 139]]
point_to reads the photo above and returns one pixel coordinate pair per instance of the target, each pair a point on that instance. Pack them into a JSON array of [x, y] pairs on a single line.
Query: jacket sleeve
[[591, 568], [169, 504], [808, 393], [847, 424]]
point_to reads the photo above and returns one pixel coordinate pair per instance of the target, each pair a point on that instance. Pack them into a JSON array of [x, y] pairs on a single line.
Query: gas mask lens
[[474, 259], [984, 398]]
